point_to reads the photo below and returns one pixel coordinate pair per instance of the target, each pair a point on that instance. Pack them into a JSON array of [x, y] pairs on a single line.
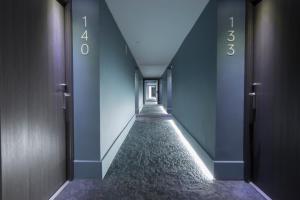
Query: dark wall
[[166, 90], [117, 80], [194, 80], [160, 91], [33, 146], [164, 95]]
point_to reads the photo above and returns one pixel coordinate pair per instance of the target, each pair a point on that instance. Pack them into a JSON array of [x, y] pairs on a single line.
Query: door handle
[[256, 84], [66, 94], [253, 95]]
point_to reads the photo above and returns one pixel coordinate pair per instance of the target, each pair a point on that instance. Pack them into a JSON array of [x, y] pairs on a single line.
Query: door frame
[[249, 112], [69, 113], [158, 84]]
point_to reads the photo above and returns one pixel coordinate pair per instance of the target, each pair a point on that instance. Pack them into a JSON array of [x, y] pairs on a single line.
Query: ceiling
[[155, 29]]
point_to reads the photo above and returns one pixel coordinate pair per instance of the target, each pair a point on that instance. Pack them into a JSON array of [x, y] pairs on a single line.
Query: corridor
[[154, 164], [149, 100]]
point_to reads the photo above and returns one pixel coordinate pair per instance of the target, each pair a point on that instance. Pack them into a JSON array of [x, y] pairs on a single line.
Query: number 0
[[85, 49]]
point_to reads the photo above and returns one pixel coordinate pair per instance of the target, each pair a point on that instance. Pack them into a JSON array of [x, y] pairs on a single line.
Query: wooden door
[[276, 98], [33, 130]]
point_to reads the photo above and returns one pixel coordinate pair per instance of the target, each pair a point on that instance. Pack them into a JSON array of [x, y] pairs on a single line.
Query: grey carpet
[[152, 164]]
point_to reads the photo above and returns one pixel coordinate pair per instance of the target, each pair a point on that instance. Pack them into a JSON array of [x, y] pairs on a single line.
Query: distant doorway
[[151, 95]]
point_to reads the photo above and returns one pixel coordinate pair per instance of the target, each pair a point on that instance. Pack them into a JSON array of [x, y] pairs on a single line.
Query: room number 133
[[231, 38]]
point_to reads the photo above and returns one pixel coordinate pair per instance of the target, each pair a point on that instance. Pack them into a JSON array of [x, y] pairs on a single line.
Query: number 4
[[85, 35]]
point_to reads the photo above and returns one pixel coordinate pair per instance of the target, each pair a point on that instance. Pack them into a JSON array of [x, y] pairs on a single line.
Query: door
[[32, 99], [275, 97]]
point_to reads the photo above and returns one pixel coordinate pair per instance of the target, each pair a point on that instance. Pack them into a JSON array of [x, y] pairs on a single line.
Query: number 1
[[85, 21], [231, 21]]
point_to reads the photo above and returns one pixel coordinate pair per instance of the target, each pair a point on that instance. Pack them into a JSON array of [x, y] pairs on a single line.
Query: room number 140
[[84, 38]]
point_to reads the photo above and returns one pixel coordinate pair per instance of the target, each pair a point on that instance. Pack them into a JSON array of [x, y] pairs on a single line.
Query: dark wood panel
[[33, 139], [69, 81], [249, 112], [14, 99], [276, 138]]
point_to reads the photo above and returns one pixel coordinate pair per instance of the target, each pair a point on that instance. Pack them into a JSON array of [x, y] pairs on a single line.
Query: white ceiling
[[155, 29]]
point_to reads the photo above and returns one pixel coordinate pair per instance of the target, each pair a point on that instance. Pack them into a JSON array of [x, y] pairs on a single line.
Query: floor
[[151, 110], [153, 164], [151, 102]]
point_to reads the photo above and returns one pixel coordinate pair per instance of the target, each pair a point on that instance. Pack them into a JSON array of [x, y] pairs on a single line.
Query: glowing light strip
[[208, 175], [163, 110]]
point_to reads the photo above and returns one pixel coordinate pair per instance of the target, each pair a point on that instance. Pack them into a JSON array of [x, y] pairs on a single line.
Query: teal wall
[[208, 86], [117, 80], [86, 90], [195, 80], [104, 86], [229, 161]]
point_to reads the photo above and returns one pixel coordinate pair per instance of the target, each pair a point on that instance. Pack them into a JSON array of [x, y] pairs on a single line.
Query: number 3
[[231, 50], [231, 36]]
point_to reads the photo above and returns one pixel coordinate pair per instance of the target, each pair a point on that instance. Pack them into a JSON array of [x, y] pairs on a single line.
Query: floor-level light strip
[[163, 110], [208, 175], [59, 191]]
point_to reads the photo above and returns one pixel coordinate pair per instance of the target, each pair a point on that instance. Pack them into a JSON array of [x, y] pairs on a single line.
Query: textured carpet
[[153, 110], [153, 164]]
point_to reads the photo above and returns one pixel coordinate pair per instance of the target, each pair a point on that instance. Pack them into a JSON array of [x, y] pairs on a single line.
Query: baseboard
[[260, 191], [229, 170], [87, 169], [113, 150], [59, 190]]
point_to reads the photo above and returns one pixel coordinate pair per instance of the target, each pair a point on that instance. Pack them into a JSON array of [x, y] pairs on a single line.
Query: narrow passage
[[154, 164]]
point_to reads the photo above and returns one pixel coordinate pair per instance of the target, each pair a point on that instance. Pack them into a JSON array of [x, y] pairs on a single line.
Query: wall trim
[[114, 148], [229, 170], [59, 190], [222, 161], [87, 169], [87, 161]]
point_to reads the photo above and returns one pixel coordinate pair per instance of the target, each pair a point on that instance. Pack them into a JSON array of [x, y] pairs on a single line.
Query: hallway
[[139, 99], [152, 163]]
